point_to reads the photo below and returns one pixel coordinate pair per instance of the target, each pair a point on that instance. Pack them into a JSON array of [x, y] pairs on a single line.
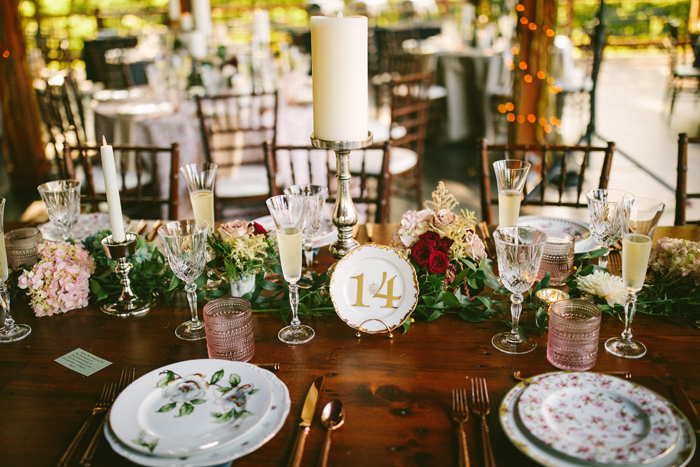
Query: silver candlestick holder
[[128, 304], [344, 213]]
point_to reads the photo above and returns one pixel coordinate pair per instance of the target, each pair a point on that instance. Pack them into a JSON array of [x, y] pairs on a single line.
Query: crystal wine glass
[[606, 224], [62, 200], [288, 213], [519, 252], [10, 331], [511, 176], [185, 244], [639, 222], [200, 180], [315, 197]]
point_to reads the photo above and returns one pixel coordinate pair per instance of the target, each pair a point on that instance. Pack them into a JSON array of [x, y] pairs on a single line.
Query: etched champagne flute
[[185, 244], [10, 331], [511, 176], [315, 197], [62, 200], [288, 212], [639, 222], [200, 180], [606, 223], [519, 252]]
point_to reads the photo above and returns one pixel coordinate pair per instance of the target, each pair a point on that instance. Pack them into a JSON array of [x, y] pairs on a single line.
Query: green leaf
[[197, 401], [271, 286], [186, 409], [216, 414], [253, 391], [435, 315], [406, 324], [491, 280], [541, 318], [450, 299], [169, 376], [235, 380], [243, 414], [95, 287], [216, 377], [167, 407], [225, 417], [174, 282]]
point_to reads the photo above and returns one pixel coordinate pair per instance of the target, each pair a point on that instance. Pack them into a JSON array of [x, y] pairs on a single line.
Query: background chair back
[[682, 194]]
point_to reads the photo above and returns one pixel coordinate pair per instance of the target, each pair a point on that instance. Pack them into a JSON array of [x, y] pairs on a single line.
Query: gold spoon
[[332, 417]]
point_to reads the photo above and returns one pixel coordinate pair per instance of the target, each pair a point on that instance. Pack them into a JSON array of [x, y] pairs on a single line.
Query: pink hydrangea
[[412, 225], [60, 281], [677, 258]]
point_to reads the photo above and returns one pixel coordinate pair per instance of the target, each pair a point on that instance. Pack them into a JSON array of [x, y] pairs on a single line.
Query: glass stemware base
[[299, 334], [15, 333], [625, 348], [513, 344], [191, 331]]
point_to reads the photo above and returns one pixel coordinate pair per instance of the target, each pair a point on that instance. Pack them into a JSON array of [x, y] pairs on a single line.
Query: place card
[[83, 362]]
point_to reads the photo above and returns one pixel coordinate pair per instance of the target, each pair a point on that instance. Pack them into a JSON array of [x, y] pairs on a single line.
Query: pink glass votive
[[228, 323], [574, 328], [558, 256], [20, 245]]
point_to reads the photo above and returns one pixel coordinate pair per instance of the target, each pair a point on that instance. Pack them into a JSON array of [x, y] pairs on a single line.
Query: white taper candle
[[109, 169], [339, 69]]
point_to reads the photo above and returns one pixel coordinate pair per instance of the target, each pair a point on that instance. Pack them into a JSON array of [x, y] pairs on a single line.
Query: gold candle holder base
[[344, 213]]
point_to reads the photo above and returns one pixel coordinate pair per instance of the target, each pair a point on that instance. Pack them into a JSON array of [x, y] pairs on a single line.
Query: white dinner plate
[[270, 425], [190, 407], [679, 456], [598, 418], [327, 235], [86, 225], [374, 288], [585, 242]]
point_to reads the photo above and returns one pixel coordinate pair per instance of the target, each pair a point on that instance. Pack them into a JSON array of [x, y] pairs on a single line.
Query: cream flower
[[604, 285], [442, 221], [233, 230]]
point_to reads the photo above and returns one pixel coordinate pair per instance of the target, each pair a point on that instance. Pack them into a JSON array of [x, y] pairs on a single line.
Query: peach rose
[[442, 220], [233, 230]]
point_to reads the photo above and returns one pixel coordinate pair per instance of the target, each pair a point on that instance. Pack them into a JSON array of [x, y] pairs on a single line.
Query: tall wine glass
[[315, 197], [606, 223], [200, 180], [185, 244], [511, 176], [10, 331], [288, 212], [62, 200], [519, 252], [639, 222]]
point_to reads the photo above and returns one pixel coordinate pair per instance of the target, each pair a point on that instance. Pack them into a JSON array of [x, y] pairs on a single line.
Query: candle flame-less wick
[[104, 141], [340, 14]]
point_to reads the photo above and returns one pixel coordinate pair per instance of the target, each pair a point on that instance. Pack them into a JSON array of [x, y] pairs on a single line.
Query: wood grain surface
[[396, 392]]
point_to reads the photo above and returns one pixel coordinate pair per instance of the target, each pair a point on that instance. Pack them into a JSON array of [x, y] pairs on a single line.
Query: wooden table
[[396, 391]]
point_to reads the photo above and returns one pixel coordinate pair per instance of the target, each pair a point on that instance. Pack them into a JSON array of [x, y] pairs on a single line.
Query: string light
[[527, 78], [524, 20], [540, 74], [514, 50], [502, 108], [6, 54], [531, 118], [523, 66], [510, 107], [533, 26], [520, 7], [510, 117], [521, 118]]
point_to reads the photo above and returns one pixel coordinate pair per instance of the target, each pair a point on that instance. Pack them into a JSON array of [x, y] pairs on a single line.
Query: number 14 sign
[[374, 289]]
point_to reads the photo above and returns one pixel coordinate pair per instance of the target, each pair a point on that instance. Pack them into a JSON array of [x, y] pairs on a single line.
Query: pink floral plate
[[86, 225], [190, 407], [584, 240], [598, 418]]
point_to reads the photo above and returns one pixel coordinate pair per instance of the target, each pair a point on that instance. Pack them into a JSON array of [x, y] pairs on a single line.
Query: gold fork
[[101, 406], [460, 414], [480, 408], [127, 377]]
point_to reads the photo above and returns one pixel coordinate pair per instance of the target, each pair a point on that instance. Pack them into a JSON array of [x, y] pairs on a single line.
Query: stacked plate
[[585, 242], [590, 419], [325, 236], [197, 413]]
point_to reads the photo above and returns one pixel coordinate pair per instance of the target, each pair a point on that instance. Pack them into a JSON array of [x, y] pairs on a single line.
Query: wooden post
[[21, 136]]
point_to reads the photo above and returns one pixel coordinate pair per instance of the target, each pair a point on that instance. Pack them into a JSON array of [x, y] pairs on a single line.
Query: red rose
[[438, 262], [422, 252], [445, 245], [431, 237], [259, 229]]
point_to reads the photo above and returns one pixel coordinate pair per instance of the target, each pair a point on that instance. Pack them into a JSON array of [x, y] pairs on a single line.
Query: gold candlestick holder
[[344, 213], [128, 304]]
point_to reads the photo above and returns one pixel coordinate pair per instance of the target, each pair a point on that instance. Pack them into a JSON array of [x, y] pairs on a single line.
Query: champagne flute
[[511, 176], [639, 222], [185, 244], [606, 223], [519, 252], [315, 197], [288, 213], [62, 200], [200, 180], [10, 331]]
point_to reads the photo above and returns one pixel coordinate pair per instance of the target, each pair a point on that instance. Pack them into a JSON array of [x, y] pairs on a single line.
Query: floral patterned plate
[[87, 225], [679, 455], [271, 423], [598, 418], [584, 241], [190, 406]]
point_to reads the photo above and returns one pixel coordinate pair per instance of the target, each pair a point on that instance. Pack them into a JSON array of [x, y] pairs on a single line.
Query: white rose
[[233, 230]]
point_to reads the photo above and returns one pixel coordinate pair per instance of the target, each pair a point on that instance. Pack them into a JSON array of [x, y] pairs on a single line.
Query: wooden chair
[[148, 176], [544, 164], [370, 185], [682, 194], [234, 128], [684, 78]]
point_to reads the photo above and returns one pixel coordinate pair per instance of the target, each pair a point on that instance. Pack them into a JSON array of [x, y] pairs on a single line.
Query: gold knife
[[307, 416], [686, 406]]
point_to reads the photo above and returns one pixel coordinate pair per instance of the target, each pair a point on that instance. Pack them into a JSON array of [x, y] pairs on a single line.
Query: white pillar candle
[[198, 45], [202, 16], [261, 25], [109, 169], [339, 72], [174, 11]]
